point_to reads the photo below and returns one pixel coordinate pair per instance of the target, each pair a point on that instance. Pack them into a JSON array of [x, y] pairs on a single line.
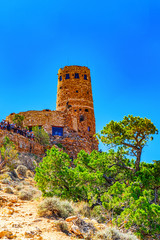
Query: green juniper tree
[[132, 133], [127, 189]]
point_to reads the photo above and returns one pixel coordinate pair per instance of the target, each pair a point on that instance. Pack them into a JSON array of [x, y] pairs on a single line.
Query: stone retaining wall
[[22, 143]]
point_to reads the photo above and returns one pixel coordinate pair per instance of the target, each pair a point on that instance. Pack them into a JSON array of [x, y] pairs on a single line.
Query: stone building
[[72, 125]]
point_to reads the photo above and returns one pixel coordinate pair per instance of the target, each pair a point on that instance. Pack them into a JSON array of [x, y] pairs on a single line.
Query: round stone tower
[[74, 96]]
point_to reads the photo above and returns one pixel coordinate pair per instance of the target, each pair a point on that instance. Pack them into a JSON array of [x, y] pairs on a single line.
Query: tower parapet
[[74, 95]]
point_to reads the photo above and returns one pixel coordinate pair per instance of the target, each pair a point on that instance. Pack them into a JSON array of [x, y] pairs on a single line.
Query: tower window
[[57, 131], [67, 76], [86, 110], [76, 91], [81, 118], [60, 78], [85, 77], [76, 75], [89, 129], [60, 87], [75, 110], [80, 109]]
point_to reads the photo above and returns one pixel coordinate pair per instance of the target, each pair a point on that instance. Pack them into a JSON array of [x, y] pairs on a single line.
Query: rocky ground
[[20, 216], [19, 220]]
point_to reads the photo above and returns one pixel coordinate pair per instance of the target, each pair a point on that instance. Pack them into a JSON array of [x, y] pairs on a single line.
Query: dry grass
[[113, 234], [29, 174], [4, 176], [83, 209], [61, 226], [8, 190], [55, 207], [21, 171], [98, 213], [25, 195]]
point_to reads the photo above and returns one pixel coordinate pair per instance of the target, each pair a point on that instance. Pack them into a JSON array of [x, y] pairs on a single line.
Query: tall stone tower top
[[74, 95]]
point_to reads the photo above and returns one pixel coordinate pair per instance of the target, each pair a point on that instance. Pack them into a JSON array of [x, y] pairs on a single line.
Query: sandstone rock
[[6, 233], [38, 237], [16, 225], [75, 229], [10, 210], [71, 219], [32, 233], [10, 204], [29, 234], [84, 226], [14, 200]]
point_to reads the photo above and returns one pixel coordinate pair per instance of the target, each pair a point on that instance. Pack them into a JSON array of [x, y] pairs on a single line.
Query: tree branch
[[108, 180], [122, 165]]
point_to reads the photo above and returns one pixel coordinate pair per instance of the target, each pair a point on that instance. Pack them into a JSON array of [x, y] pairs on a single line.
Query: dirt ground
[[21, 220]]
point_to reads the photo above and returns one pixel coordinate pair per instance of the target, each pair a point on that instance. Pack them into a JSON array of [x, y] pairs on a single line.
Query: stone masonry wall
[[74, 112], [74, 95], [45, 118], [73, 144], [22, 143]]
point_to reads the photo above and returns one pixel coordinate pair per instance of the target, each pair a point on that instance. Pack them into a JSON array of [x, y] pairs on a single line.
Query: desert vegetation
[[103, 195], [116, 181]]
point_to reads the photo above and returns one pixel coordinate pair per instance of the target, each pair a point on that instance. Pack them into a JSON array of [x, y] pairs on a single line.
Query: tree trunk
[[137, 163], [156, 195]]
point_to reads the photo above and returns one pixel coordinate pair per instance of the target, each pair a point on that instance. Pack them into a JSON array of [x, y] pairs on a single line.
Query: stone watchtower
[[74, 96]]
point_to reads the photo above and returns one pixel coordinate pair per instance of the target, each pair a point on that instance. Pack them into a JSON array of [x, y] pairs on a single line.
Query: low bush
[[21, 171], [62, 226], [113, 234], [25, 195], [8, 190], [4, 176], [32, 190], [29, 174], [19, 187], [5, 181], [83, 209], [100, 214], [55, 207]]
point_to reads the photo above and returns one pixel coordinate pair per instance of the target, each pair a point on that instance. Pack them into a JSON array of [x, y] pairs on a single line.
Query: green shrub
[[18, 120], [55, 207], [41, 136], [9, 153], [100, 214]]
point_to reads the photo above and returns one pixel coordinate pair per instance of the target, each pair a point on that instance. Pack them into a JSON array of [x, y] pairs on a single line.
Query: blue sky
[[118, 40]]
